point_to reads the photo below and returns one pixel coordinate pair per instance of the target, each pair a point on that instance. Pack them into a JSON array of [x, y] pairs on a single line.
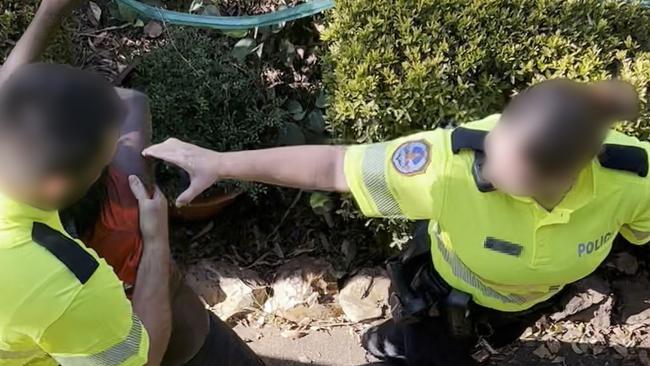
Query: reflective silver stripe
[[18, 355], [113, 356], [374, 177], [460, 270]]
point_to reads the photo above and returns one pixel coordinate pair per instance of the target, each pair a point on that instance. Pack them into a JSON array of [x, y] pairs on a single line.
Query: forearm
[[33, 42], [304, 167], [151, 298], [135, 135]]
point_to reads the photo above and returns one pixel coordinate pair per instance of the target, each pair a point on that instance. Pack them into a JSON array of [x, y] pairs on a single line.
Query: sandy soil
[[338, 347]]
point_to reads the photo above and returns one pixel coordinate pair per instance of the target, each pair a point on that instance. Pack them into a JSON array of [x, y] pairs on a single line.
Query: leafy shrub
[[200, 93], [15, 16], [402, 65]]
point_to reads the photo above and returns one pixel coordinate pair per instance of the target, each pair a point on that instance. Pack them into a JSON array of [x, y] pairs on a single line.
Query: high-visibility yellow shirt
[[507, 252], [61, 303]]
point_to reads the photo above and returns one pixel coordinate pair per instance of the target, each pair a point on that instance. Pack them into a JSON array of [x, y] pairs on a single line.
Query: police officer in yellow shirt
[[517, 206]]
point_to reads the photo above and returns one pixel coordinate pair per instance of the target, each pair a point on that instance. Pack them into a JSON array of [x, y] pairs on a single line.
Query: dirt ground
[[341, 347], [337, 347]]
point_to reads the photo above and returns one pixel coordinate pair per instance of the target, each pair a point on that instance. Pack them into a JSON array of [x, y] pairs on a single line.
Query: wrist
[[158, 242], [219, 162]]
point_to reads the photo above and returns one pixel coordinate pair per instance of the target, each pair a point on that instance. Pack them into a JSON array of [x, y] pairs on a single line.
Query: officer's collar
[[13, 211], [465, 138], [462, 138]]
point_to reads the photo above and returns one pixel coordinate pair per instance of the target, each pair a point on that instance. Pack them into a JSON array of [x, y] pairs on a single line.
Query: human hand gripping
[[154, 224], [201, 164]]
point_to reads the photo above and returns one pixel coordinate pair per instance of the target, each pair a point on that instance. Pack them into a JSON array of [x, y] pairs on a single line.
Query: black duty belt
[[420, 292]]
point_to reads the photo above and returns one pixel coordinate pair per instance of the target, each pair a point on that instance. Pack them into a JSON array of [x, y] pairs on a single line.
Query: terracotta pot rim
[[212, 201]]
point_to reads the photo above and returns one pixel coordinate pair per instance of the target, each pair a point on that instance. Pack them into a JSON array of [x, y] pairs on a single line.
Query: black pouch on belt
[[417, 289]]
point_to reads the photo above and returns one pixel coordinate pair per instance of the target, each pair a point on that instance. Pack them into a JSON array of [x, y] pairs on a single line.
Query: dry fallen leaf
[[96, 12]]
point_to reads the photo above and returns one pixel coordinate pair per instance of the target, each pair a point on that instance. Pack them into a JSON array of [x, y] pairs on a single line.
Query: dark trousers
[[223, 347], [428, 341]]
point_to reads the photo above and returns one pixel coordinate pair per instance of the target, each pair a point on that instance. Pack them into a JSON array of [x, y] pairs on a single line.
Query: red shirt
[[116, 234]]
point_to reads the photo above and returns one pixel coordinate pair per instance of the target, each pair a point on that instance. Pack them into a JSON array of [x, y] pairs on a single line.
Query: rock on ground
[[227, 289], [304, 289], [365, 295]]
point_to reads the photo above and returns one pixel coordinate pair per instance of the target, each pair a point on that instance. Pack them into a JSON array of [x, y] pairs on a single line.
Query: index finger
[[167, 151]]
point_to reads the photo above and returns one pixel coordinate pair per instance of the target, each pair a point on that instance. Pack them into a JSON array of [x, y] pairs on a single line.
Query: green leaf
[[321, 203], [294, 107], [96, 11], [288, 51], [316, 121], [291, 134], [258, 50], [322, 101], [126, 14], [242, 48], [238, 33], [196, 6]]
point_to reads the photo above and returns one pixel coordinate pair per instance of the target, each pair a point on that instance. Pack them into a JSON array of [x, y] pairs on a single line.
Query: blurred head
[[548, 133], [58, 130]]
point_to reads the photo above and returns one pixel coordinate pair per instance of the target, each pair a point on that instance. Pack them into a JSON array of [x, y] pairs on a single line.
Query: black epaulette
[[66, 250], [465, 138], [627, 158]]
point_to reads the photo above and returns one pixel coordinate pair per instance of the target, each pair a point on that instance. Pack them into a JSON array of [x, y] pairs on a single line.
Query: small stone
[[365, 296], [153, 29], [543, 352], [227, 289], [304, 288], [620, 350]]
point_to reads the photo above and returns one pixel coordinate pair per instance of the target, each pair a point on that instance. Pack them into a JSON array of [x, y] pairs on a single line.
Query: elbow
[[138, 112]]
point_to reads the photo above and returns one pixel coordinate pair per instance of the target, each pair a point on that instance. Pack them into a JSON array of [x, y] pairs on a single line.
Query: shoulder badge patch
[[412, 158]]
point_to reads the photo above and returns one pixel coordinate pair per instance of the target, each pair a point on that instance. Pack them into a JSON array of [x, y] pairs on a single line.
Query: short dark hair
[[571, 119], [55, 118]]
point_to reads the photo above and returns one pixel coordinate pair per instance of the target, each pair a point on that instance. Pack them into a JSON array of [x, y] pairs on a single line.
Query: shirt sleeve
[[637, 231], [399, 178], [98, 327]]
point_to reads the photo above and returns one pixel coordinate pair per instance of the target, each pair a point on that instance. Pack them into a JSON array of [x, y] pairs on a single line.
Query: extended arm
[[306, 167]]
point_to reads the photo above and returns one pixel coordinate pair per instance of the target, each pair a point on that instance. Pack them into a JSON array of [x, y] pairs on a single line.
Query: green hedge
[[15, 16], [401, 65], [200, 93]]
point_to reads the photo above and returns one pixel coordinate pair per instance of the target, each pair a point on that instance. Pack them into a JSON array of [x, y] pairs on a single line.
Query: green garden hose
[[229, 23]]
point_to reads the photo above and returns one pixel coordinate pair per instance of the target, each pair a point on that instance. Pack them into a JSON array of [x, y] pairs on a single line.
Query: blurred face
[[66, 190], [509, 170]]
